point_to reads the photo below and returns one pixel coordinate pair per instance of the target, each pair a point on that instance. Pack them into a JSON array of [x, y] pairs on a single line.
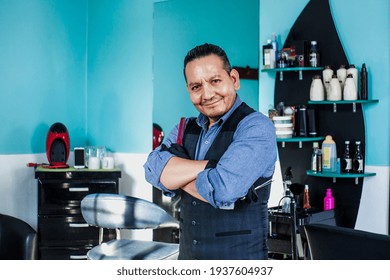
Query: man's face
[[212, 90]]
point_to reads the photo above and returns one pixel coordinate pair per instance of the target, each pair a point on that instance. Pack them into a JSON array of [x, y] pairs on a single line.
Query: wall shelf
[[299, 140], [335, 103], [247, 72], [292, 69], [355, 176]]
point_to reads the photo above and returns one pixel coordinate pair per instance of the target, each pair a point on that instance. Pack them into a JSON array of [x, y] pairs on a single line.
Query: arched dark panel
[[316, 23]]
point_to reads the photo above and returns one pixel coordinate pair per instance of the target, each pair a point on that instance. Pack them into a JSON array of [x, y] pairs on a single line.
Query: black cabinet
[[62, 232]]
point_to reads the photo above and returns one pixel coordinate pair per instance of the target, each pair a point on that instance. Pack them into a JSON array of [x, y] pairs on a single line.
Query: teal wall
[[120, 88], [46, 44], [42, 72], [181, 25], [83, 63], [363, 29]]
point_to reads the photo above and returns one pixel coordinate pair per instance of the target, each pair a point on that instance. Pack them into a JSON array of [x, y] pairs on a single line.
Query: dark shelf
[[247, 73]]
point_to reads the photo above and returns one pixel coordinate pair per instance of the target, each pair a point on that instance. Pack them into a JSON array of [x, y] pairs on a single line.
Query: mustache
[[211, 101]]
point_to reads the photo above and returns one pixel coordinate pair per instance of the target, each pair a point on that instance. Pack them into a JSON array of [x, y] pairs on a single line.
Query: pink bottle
[[328, 200]]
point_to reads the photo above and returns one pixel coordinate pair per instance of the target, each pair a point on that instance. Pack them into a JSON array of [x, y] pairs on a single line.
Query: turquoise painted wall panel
[[120, 88], [364, 31], [42, 72], [181, 25]]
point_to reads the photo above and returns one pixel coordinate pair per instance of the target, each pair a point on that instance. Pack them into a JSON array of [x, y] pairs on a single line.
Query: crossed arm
[[180, 173]]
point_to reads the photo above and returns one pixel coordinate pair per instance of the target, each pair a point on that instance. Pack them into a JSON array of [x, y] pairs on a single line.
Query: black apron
[[210, 233]]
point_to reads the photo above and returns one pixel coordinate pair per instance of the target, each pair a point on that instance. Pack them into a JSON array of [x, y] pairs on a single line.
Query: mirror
[[181, 25]]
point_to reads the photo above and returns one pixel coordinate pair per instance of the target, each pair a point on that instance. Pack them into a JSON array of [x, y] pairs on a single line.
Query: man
[[226, 152]]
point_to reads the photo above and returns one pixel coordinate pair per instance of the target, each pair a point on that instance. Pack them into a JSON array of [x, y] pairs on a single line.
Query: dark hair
[[205, 50]]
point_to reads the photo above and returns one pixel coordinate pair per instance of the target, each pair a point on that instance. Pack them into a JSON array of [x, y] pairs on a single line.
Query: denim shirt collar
[[203, 120]]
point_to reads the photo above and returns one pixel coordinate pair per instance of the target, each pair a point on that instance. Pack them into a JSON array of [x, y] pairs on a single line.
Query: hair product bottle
[[341, 75], [346, 162], [329, 155], [350, 91], [358, 159], [306, 198], [328, 200], [363, 83], [352, 70]]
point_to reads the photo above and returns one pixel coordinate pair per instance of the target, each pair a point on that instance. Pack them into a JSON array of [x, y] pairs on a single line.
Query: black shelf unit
[[337, 119], [63, 234]]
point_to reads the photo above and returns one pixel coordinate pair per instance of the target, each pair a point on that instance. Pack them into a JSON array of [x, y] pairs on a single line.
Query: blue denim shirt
[[252, 154]]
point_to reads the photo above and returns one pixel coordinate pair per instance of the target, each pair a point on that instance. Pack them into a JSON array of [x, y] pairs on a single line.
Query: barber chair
[[116, 211], [328, 242], [18, 240]]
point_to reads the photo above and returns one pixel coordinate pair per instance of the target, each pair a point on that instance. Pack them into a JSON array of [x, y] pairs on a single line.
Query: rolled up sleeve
[[155, 164]]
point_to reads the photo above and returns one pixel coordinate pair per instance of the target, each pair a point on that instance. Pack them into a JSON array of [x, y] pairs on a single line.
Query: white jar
[[350, 91], [327, 74], [342, 75], [334, 90], [317, 89]]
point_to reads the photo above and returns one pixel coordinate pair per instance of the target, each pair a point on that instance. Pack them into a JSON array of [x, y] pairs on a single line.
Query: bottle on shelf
[[268, 56], [274, 43], [350, 91], [314, 158], [312, 122], [338, 166], [363, 83], [334, 93], [346, 162], [286, 202], [319, 160], [341, 75], [358, 159], [287, 192], [306, 198], [303, 121], [328, 200], [282, 60], [317, 92], [352, 70], [314, 55], [327, 74], [329, 155]]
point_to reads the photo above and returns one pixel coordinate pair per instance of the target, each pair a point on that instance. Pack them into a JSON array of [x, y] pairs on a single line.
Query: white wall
[[373, 212], [19, 192]]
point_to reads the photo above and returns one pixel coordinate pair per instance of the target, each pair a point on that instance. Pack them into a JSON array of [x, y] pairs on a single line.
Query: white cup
[[108, 163], [93, 163]]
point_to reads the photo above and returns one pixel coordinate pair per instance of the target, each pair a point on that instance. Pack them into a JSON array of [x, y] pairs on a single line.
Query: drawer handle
[[75, 225], [79, 189], [78, 257]]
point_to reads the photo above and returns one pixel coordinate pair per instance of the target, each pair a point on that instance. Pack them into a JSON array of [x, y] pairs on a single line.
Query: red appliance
[[158, 135], [58, 146]]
